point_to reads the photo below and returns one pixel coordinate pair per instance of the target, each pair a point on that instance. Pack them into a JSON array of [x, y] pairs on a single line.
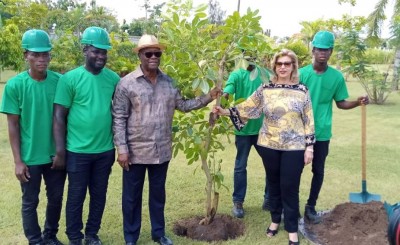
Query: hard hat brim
[[39, 50], [322, 46], [100, 46]]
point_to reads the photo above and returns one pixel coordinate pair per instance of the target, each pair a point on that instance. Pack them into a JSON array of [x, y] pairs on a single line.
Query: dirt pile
[[350, 223], [224, 227]]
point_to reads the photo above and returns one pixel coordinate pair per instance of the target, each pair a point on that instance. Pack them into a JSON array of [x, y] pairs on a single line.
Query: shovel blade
[[364, 197]]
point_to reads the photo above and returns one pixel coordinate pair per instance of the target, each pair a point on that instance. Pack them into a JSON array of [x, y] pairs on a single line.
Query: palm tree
[[377, 18], [308, 31]]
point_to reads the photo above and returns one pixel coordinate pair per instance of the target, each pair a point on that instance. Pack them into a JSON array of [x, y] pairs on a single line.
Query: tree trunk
[[210, 209], [212, 198], [396, 70]]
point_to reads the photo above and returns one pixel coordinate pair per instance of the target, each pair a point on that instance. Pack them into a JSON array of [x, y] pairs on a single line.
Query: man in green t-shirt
[[242, 86], [83, 134], [325, 84], [28, 103]]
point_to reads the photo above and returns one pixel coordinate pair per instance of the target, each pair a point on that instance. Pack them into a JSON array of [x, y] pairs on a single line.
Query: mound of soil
[[224, 227], [350, 223]]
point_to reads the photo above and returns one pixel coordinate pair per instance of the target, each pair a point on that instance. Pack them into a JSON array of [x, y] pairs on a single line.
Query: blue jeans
[[321, 150], [54, 181], [87, 171], [243, 146], [132, 190]]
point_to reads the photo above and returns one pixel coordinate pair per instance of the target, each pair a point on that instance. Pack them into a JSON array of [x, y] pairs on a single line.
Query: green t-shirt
[[88, 98], [324, 89], [240, 84], [32, 101]]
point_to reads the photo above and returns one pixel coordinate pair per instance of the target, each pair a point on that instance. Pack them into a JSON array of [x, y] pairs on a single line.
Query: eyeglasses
[[150, 54], [285, 64]]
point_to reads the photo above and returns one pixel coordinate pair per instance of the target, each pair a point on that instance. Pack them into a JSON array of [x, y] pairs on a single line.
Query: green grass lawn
[[6, 74], [185, 190]]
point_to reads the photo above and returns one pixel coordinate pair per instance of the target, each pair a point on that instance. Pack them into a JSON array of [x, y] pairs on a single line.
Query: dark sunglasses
[[285, 64], [150, 54]]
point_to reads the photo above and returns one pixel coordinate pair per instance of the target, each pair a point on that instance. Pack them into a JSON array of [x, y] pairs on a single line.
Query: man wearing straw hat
[[143, 110]]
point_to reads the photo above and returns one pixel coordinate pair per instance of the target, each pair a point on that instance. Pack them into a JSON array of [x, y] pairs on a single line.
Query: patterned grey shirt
[[143, 114]]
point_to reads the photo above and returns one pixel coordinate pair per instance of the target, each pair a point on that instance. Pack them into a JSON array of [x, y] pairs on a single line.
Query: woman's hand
[[308, 155], [220, 111]]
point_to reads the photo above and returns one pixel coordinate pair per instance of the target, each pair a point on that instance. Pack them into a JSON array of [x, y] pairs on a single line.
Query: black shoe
[[90, 240], [163, 240], [238, 210], [311, 215], [75, 242], [266, 205], [51, 241]]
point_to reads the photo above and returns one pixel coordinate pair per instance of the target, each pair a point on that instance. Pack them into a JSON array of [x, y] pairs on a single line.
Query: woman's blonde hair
[[294, 76]]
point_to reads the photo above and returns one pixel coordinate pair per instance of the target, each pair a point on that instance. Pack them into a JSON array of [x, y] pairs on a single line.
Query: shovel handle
[[363, 142]]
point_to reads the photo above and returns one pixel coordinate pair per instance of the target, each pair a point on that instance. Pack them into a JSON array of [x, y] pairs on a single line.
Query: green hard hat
[[36, 41], [323, 39], [97, 37]]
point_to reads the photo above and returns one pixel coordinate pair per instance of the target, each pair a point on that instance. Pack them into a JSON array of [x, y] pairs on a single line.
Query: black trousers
[[321, 150], [87, 171], [132, 190], [284, 169], [54, 181]]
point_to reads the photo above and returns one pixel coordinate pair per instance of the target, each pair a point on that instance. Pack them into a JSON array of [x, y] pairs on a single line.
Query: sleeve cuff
[[235, 118], [122, 149], [310, 140]]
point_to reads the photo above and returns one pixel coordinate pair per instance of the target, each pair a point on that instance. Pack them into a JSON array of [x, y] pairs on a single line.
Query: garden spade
[[364, 196]]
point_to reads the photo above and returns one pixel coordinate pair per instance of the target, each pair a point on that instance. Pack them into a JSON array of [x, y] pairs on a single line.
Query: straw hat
[[148, 41]]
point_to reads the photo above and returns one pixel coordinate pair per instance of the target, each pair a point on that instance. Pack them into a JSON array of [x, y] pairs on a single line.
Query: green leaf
[[196, 83], [238, 101], [253, 74], [242, 64], [190, 131], [211, 75], [175, 18], [202, 7], [202, 63], [201, 15], [205, 88], [175, 151], [202, 23], [197, 140], [175, 128], [189, 153], [224, 102]]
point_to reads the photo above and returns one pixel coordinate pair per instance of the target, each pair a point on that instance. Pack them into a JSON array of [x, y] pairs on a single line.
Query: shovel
[[364, 196]]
